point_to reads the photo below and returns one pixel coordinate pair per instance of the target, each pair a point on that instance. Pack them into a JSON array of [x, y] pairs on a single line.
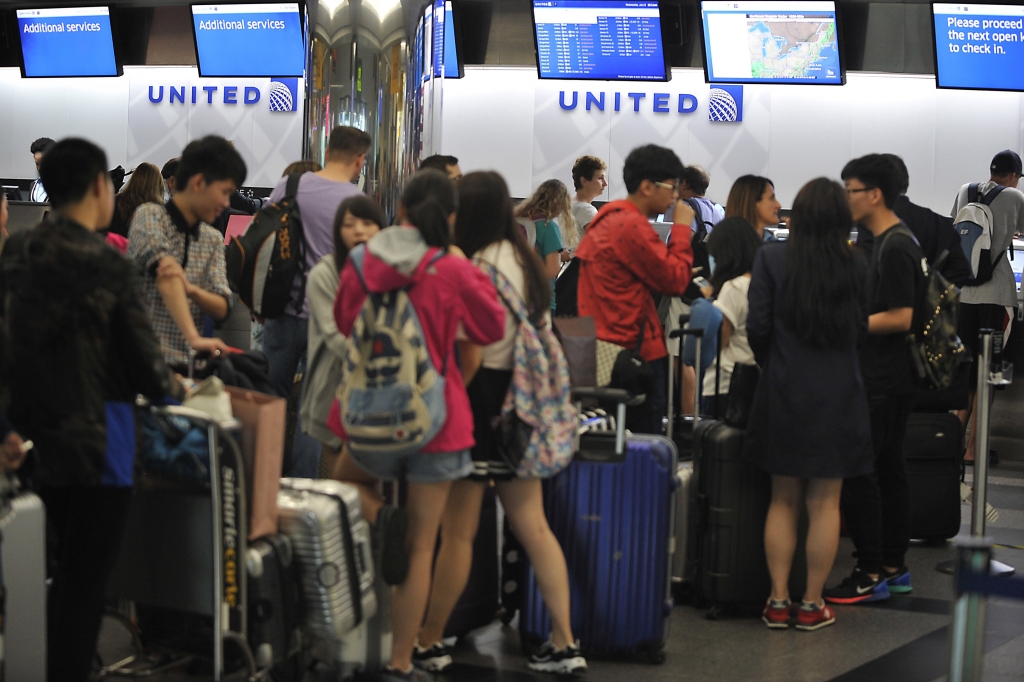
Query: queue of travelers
[[109, 327]]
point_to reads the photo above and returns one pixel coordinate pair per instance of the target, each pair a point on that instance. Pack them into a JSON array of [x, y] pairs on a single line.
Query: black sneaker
[[550, 659], [858, 588], [414, 675], [434, 658], [392, 556]]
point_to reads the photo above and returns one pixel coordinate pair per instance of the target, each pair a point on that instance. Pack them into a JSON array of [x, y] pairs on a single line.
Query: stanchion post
[[981, 429], [967, 633]]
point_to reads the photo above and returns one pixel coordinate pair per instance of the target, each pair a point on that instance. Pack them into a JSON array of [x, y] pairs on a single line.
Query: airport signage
[[725, 102], [282, 95]]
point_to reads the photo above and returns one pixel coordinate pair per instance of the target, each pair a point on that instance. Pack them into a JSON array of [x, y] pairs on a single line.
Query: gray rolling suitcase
[[23, 571], [331, 541]]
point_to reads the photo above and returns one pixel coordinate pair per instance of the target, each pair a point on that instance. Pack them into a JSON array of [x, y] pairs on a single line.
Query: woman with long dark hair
[[809, 424], [486, 230], [446, 292], [733, 245], [752, 198]]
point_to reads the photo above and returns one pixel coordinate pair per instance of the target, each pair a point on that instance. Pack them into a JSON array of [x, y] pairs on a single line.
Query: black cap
[[1006, 161]]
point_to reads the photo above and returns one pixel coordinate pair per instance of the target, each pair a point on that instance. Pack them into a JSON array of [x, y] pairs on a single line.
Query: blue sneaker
[[859, 588], [899, 582]]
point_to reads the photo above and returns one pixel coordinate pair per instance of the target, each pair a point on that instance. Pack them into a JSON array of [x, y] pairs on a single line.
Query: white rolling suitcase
[[23, 581], [331, 541]]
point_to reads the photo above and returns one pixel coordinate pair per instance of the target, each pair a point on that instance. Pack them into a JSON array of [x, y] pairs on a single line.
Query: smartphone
[[701, 282]]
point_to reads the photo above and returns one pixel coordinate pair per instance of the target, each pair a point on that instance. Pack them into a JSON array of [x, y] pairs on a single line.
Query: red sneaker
[[810, 617], [776, 614]]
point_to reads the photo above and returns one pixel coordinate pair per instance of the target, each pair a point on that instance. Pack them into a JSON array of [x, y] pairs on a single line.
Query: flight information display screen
[[69, 41], [255, 40], [979, 47], [771, 42], [599, 40]]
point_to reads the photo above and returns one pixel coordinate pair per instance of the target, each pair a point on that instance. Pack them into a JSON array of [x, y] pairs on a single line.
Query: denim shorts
[[436, 467]]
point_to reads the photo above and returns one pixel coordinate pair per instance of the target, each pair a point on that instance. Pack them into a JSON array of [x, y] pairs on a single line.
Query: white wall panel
[[117, 114], [790, 133], [494, 127]]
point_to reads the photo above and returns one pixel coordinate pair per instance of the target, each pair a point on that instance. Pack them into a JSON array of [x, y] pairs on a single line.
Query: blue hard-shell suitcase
[[614, 517]]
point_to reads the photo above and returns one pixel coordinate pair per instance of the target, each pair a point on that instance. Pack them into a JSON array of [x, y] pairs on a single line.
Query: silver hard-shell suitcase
[[23, 557], [331, 541]]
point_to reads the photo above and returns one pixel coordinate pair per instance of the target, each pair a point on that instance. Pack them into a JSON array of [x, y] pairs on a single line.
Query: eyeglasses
[[665, 185], [850, 190]]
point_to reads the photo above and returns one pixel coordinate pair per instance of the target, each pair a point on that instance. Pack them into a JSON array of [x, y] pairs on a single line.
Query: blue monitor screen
[[261, 40], [771, 42], [71, 41], [599, 40], [438, 38], [451, 48], [979, 47]]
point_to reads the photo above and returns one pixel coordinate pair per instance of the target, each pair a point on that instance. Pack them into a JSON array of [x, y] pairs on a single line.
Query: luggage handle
[[680, 333], [617, 395]]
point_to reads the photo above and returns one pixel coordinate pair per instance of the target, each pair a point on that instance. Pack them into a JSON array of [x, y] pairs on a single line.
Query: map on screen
[[750, 42]]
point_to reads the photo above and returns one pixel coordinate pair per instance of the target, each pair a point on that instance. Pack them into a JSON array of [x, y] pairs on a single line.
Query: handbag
[[578, 336], [742, 388], [632, 373]]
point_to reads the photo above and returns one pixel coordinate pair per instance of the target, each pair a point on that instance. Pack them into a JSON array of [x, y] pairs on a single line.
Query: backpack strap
[[292, 188], [992, 194], [356, 256], [972, 193]]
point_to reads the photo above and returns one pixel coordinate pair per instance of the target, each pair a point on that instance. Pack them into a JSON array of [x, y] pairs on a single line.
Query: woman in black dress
[[809, 425]]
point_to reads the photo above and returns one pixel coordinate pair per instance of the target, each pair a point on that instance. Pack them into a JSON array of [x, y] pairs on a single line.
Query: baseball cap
[[1006, 161]]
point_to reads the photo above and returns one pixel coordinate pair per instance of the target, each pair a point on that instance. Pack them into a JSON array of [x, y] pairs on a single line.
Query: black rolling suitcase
[[729, 505], [933, 448], [273, 595]]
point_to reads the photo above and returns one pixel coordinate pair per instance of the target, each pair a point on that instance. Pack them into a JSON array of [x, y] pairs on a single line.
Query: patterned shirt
[[157, 231]]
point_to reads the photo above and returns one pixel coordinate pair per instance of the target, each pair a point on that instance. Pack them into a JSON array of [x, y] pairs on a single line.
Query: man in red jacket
[[623, 263]]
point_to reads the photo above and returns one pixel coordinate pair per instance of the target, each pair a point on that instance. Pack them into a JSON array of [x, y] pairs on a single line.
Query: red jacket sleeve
[[665, 269], [484, 318]]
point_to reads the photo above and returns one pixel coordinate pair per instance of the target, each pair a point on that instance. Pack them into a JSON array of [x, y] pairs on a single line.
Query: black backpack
[[263, 262], [935, 347]]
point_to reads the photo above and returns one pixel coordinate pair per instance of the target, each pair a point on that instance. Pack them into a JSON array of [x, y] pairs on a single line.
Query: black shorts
[[973, 318], [486, 396]]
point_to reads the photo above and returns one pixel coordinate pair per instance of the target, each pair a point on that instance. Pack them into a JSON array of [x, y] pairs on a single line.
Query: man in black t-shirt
[[877, 506]]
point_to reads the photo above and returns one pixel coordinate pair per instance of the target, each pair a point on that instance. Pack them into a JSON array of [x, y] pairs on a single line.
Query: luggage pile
[[201, 592]]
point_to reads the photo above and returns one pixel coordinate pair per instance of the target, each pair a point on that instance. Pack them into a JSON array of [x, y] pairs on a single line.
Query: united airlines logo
[[726, 104], [284, 94]]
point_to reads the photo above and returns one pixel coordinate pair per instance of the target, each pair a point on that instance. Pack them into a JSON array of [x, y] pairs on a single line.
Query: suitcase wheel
[[655, 655]]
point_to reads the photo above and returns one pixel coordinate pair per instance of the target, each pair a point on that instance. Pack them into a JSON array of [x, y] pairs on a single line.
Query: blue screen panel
[[979, 47], [71, 41], [437, 53], [261, 40], [451, 48], [599, 40], [771, 42]]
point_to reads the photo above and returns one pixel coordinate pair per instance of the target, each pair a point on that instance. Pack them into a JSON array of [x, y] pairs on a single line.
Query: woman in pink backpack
[[446, 292], [487, 231]]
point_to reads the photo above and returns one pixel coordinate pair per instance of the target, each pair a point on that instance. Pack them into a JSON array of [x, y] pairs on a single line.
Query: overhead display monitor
[[599, 40], [453, 65], [67, 41], [772, 42], [257, 40], [979, 47]]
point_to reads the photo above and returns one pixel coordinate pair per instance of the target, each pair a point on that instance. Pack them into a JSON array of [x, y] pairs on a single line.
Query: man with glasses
[[623, 264], [877, 506]]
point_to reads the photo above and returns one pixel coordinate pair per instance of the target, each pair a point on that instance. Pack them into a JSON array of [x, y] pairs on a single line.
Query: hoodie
[[447, 294]]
